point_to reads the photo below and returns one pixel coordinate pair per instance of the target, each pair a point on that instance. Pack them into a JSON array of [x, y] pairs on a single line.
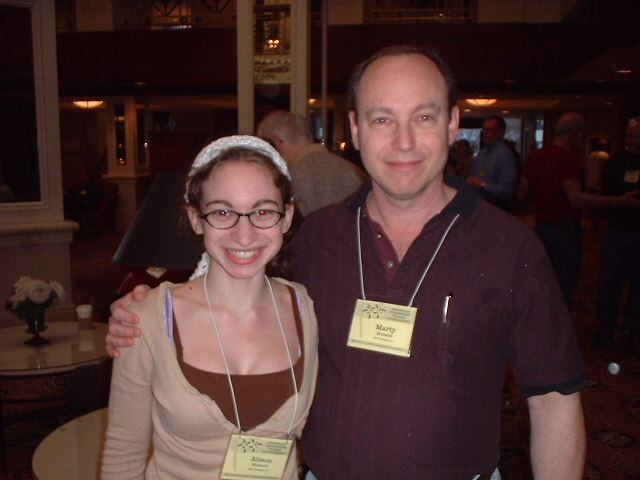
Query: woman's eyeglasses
[[225, 218]]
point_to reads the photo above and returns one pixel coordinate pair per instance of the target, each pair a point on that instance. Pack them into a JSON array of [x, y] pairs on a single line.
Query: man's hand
[[122, 329]]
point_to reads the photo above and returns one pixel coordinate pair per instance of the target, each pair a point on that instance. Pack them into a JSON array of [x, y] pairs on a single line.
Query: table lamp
[[160, 244]]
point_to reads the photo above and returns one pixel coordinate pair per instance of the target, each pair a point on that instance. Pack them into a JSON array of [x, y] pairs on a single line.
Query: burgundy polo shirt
[[436, 414]]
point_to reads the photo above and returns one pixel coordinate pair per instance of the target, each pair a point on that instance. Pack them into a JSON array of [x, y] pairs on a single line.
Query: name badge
[[631, 176], [382, 327], [254, 457]]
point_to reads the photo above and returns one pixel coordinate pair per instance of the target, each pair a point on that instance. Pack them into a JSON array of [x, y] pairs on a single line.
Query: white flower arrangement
[[31, 295]]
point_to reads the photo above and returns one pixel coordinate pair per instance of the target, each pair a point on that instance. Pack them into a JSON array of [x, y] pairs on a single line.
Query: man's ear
[[353, 123], [454, 123]]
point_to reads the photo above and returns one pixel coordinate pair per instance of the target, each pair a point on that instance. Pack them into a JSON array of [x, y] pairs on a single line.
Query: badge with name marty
[[382, 327]]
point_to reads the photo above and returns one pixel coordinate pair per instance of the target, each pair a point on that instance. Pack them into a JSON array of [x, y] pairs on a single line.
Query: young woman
[[223, 376]]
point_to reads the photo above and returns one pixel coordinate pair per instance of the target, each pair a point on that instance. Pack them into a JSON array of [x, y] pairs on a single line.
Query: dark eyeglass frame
[[238, 215]]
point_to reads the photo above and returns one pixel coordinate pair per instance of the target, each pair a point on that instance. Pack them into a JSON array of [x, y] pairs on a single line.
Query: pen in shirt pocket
[[445, 308]]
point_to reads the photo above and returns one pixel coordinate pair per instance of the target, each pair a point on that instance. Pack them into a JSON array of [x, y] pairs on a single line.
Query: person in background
[[553, 177], [424, 293], [594, 165], [494, 174], [619, 259], [461, 158], [230, 357], [319, 176]]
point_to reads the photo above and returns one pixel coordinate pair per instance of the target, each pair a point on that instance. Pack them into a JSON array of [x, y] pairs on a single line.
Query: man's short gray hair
[[290, 126]]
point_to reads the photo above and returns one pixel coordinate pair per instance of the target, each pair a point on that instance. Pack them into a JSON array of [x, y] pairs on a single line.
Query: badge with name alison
[[382, 327], [255, 457]]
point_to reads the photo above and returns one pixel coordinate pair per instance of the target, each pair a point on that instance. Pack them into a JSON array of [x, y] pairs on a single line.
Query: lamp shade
[[159, 235]]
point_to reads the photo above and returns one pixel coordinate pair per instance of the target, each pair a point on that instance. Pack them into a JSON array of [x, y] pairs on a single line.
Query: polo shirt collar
[[464, 202]]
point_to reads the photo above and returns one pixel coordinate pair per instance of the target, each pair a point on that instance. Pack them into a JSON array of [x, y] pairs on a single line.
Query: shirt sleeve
[[544, 350], [129, 430]]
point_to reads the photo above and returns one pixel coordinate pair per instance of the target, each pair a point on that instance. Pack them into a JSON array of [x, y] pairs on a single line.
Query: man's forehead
[[389, 63], [384, 70]]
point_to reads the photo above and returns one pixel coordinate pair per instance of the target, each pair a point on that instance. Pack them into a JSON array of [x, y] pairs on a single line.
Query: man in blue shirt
[[494, 174]]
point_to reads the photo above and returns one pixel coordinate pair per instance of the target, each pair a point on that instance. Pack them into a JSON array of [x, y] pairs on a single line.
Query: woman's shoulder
[[153, 303], [298, 287], [303, 299]]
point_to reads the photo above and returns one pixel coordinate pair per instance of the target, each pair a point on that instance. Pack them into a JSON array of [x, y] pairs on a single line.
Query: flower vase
[[35, 321]]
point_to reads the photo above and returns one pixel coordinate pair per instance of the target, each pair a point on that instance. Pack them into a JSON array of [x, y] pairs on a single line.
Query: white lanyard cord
[[424, 274], [360, 255], [286, 346], [226, 365]]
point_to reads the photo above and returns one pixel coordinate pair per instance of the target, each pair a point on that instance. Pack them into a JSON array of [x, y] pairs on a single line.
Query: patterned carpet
[[611, 402]]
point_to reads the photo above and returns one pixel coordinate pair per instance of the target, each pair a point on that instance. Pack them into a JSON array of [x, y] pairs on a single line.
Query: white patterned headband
[[213, 151], [216, 148]]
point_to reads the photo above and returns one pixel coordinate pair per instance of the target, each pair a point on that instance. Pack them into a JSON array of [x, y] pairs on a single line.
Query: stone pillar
[[34, 237]]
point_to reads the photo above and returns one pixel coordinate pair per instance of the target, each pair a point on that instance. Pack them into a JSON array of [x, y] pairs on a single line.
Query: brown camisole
[[258, 396]]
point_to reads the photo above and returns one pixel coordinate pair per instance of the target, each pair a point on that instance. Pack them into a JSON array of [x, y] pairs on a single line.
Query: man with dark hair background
[[494, 174]]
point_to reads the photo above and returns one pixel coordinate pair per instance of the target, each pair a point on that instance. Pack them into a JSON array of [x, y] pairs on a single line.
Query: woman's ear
[[195, 219], [289, 208]]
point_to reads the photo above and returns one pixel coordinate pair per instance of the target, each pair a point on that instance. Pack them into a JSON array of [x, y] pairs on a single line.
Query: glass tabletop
[[73, 451], [70, 347]]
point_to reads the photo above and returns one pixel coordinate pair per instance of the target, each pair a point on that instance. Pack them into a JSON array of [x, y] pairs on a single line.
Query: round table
[[74, 450], [69, 348], [20, 364]]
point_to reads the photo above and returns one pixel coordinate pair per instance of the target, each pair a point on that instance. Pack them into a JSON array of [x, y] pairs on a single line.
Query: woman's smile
[[243, 256]]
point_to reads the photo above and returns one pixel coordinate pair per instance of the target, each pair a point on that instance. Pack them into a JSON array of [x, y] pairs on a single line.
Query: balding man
[[553, 175], [319, 177]]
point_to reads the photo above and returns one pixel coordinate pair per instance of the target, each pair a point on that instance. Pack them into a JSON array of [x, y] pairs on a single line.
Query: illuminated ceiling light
[[481, 102], [273, 43], [466, 110], [88, 104]]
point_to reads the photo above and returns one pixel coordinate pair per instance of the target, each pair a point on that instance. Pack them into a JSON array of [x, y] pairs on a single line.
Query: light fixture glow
[[481, 102], [88, 104]]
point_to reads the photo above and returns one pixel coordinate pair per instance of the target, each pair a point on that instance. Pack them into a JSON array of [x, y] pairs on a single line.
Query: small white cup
[[85, 315]]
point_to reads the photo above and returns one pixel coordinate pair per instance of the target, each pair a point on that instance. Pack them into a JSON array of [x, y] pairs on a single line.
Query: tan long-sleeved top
[[152, 403]]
